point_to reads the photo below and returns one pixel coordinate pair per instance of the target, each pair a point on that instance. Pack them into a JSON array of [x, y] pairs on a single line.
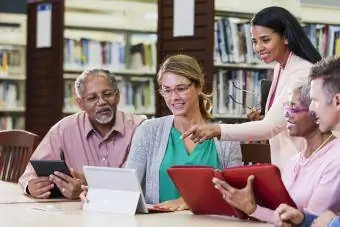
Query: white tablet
[[113, 188]]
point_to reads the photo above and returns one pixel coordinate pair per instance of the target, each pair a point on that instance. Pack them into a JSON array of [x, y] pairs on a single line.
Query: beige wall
[[323, 2]]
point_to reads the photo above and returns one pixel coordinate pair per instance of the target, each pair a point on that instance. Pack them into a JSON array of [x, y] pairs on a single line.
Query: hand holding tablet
[[65, 182]]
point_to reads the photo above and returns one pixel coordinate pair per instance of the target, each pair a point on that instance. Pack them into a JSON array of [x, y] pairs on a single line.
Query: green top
[[204, 153]]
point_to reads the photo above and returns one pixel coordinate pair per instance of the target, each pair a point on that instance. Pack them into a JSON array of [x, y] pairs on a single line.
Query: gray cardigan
[[148, 148]]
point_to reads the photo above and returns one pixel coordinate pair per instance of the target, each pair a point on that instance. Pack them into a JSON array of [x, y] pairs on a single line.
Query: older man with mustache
[[99, 135]]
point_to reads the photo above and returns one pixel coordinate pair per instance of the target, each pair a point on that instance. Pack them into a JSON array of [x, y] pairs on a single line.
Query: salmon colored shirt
[[313, 183], [74, 139]]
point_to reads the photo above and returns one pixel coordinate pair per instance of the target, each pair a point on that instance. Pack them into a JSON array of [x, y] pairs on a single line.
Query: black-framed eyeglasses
[[181, 89], [257, 103], [107, 95]]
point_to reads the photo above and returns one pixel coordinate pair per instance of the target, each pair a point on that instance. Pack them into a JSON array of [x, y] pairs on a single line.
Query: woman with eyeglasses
[[277, 37], [157, 145], [311, 176]]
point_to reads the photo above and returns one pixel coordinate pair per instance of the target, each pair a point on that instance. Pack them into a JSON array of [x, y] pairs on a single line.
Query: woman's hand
[[254, 115], [83, 194], [173, 205], [199, 133], [242, 199]]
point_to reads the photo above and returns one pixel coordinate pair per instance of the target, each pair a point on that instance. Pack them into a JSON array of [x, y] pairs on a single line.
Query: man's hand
[[199, 133], [40, 187], [289, 214], [324, 219], [68, 186], [242, 199], [173, 205]]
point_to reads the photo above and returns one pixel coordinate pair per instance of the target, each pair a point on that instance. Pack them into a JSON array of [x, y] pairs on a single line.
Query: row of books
[[9, 57], [9, 94], [136, 95], [326, 38], [235, 92], [84, 53], [143, 56], [90, 53], [233, 41], [11, 122]]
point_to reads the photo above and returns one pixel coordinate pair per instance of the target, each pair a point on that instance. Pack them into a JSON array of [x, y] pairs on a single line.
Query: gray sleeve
[[140, 145], [235, 157]]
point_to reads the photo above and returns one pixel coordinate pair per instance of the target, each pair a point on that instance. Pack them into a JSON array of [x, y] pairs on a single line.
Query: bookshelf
[[228, 69], [322, 25], [222, 72], [110, 38], [12, 71], [129, 51]]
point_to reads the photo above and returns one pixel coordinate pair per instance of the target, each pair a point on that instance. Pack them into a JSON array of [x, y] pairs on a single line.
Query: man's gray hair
[[79, 83]]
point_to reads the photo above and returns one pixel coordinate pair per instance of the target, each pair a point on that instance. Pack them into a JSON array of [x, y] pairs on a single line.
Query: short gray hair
[[327, 69], [79, 83], [304, 94]]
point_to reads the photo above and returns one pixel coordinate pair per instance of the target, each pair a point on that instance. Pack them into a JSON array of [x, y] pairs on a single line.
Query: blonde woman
[[157, 145]]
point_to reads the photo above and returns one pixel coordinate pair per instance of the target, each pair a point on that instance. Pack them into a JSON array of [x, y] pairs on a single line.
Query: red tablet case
[[197, 189]]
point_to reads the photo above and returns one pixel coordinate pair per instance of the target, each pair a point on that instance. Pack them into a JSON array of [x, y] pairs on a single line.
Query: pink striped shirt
[[74, 138], [313, 183]]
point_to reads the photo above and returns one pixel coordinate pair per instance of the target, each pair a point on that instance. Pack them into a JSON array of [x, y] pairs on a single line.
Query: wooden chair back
[[16, 148], [255, 153]]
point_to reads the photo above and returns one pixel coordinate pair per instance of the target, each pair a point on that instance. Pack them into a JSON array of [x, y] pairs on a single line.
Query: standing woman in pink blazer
[[277, 37]]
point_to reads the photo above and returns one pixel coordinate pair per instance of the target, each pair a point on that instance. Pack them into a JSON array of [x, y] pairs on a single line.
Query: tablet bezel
[[118, 179], [44, 168]]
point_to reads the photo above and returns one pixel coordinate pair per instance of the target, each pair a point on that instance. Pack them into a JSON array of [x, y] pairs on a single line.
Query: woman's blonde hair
[[188, 67]]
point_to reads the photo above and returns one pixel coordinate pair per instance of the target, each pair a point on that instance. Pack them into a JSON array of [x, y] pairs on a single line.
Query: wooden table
[[12, 193], [58, 214]]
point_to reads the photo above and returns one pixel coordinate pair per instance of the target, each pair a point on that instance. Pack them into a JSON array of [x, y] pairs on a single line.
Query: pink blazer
[[273, 125]]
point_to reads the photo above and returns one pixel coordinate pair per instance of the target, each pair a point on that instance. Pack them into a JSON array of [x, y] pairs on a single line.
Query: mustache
[[104, 109]]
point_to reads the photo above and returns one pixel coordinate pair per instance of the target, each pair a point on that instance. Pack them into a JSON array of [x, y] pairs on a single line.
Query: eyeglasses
[[243, 90], [257, 103], [106, 96], [179, 90], [293, 110], [237, 102]]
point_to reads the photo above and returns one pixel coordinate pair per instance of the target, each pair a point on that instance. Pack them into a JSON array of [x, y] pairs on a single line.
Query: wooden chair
[[16, 148], [255, 153]]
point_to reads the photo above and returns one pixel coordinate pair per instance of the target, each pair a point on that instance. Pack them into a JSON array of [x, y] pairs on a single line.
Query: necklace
[[324, 142], [304, 161]]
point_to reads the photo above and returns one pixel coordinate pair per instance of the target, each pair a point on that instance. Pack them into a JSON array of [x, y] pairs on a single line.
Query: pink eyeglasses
[[293, 110]]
